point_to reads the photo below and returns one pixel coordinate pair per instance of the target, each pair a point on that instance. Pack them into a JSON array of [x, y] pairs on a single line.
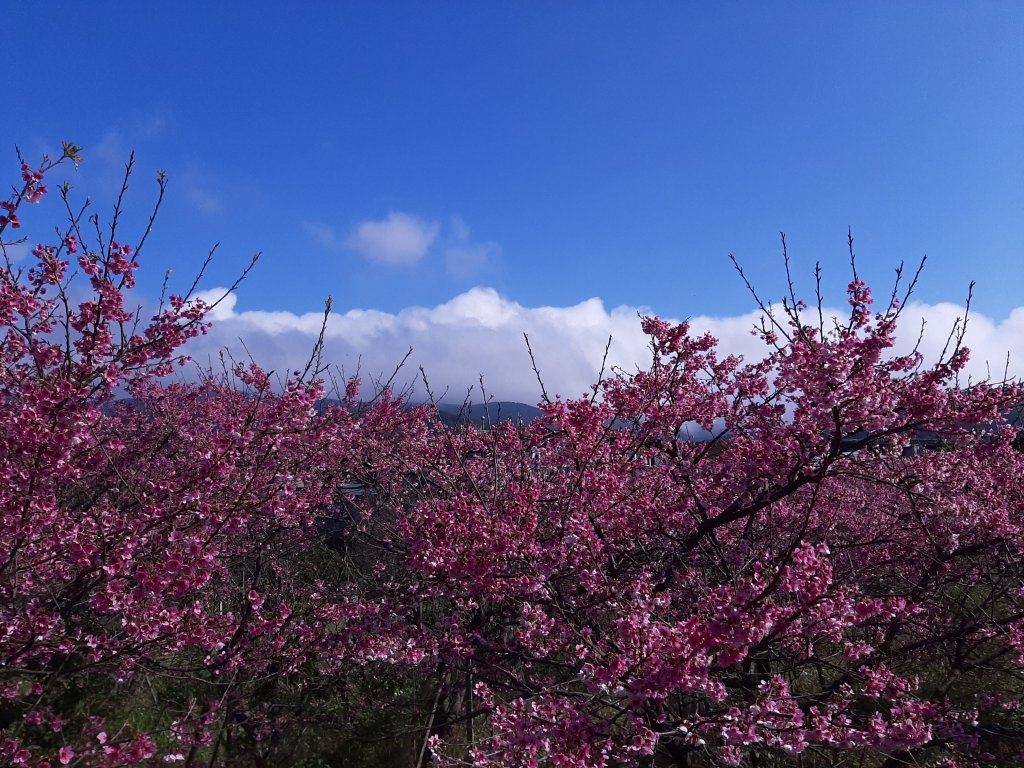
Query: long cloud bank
[[480, 332]]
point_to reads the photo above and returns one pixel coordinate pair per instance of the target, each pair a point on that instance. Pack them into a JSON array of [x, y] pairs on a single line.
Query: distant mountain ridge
[[473, 413], [488, 413]]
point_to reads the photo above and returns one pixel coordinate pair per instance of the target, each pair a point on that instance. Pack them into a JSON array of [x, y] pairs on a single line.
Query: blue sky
[[399, 155]]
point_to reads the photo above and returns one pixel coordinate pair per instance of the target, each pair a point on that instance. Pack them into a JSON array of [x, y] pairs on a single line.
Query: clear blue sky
[[551, 151]]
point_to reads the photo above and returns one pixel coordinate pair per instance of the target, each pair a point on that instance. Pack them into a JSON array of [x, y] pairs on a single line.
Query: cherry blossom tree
[[160, 592], [804, 587]]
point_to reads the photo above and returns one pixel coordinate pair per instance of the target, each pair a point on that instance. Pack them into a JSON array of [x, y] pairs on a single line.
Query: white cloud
[[324, 235], [465, 259], [204, 201], [460, 231], [111, 149], [399, 239], [104, 164], [15, 251], [481, 332], [152, 126], [405, 239], [201, 190], [223, 303], [990, 341]]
